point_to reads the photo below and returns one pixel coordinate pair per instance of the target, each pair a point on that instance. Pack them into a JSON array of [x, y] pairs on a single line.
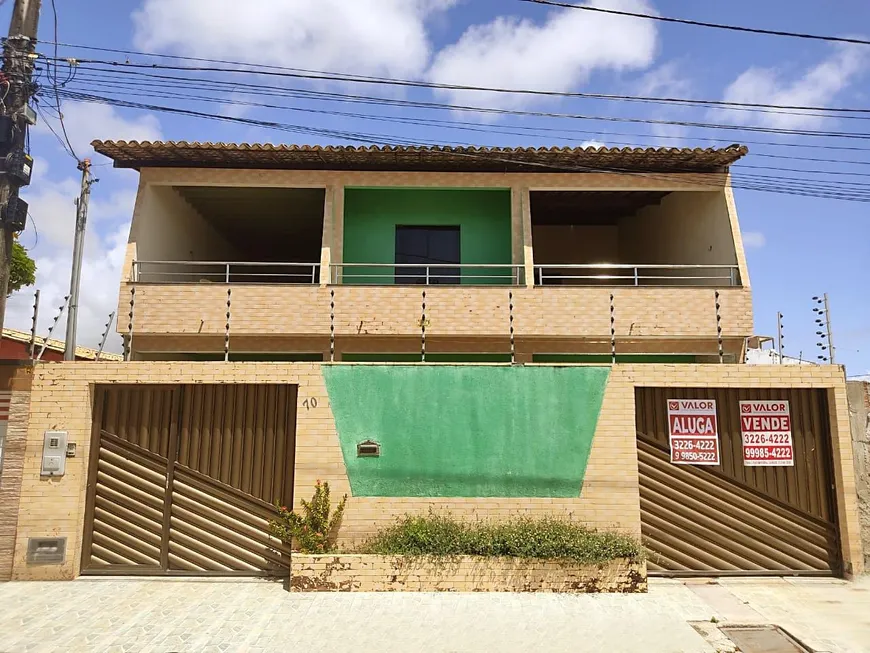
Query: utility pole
[[830, 329], [69, 352], [14, 119]]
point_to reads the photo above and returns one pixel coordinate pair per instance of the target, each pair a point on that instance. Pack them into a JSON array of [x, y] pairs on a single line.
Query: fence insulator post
[[719, 328], [423, 328], [612, 331], [128, 343], [331, 325], [227, 332], [511, 311]]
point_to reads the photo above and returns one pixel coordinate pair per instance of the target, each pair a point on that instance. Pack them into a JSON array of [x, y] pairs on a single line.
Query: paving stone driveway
[[253, 616]]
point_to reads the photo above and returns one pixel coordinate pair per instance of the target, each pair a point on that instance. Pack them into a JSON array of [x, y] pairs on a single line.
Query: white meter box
[[54, 453]]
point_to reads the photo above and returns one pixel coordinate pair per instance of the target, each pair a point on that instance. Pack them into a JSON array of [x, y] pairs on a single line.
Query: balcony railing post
[[636, 279], [228, 272], [427, 278], [313, 273], [733, 274]]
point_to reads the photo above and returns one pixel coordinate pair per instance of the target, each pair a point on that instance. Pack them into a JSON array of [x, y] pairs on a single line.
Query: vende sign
[[693, 431], [766, 430]]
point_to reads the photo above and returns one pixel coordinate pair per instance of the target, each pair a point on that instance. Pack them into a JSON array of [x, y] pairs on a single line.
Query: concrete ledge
[[373, 573]]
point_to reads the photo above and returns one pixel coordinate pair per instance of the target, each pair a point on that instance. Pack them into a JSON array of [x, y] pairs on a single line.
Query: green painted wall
[[372, 214], [466, 431]]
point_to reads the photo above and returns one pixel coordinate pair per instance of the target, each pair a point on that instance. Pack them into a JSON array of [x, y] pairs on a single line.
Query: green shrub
[[522, 537], [313, 531]]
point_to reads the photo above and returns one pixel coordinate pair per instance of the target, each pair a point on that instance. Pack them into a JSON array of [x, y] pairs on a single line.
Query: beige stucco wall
[[62, 399], [859, 414], [576, 244], [166, 228], [685, 228]]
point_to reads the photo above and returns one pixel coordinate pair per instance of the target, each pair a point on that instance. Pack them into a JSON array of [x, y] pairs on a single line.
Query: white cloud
[[817, 86], [592, 143], [666, 80], [386, 37], [86, 121], [53, 211], [559, 53], [101, 273], [754, 239]]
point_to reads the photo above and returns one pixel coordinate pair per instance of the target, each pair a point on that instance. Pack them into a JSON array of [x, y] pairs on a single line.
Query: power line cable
[[387, 140], [71, 150], [161, 91], [680, 123], [456, 125], [698, 23], [273, 71]]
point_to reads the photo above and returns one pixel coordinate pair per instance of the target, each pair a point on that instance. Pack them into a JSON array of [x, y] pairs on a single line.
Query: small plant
[[549, 537], [314, 530]]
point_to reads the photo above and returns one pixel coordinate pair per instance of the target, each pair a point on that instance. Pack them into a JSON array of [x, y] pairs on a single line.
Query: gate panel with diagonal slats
[[730, 518], [183, 479]]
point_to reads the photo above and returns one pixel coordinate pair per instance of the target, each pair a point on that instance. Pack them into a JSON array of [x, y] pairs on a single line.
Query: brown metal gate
[[733, 519], [183, 479]]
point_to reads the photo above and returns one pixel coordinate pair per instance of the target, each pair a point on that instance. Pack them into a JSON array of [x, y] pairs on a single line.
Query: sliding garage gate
[[732, 518], [184, 478]]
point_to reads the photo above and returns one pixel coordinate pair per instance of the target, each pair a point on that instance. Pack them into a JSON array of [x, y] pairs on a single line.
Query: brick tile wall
[[62, 399]]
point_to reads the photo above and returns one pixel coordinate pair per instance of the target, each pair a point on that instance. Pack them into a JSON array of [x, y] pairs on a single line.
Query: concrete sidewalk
[[207, 615]]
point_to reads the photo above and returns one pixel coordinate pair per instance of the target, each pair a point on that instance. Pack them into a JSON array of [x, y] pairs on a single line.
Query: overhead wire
[[699, 23], [372, 79], [254, 89], [163, 89], [70, 148], [301, 73], [781, 187], [103, 77]]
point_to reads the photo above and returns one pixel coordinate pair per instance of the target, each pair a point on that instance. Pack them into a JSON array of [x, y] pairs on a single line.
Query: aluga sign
[[693, 431]]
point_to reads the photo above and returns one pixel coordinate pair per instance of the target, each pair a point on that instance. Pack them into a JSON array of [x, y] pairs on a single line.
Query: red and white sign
[[694, 431], [766, 430]]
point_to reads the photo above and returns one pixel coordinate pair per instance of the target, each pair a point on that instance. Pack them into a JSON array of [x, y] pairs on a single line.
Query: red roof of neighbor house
[[159, 154], [82, 353]]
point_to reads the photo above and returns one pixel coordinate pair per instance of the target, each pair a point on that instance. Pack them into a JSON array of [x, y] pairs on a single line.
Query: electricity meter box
[[14, 214], [54, 453]]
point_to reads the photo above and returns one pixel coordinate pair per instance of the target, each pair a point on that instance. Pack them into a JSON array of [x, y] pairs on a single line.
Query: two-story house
[[485, 331], [320, 243]]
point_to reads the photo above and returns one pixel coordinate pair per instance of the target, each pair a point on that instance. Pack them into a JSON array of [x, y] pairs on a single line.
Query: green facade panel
[[371, 216], [466, 430]]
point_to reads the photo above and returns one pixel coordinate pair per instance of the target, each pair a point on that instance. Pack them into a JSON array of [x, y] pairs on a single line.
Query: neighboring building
[[432, 328], [760, 351], [16, 345]]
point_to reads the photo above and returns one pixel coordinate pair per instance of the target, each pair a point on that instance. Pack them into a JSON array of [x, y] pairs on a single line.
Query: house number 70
[[310, 403]]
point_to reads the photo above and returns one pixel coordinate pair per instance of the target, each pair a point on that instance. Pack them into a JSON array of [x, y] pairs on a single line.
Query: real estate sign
[[766, 430], [694, 431]]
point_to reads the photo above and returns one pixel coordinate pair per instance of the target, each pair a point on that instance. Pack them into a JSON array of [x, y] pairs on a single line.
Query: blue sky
[[797, 246]]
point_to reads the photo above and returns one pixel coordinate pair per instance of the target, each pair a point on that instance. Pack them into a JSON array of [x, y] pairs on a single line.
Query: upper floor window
[[427, 253]]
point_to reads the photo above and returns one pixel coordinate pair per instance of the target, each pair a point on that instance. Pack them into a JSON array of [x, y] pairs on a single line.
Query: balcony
[[273, 306], [364, 270], [622, 274]]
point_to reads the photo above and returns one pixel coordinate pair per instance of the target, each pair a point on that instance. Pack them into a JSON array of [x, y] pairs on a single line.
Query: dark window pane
[[427, 246]]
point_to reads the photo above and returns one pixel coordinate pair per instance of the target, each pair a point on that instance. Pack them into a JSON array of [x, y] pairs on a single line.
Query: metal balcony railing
[[174, 272], [409, 274], [619, 274]]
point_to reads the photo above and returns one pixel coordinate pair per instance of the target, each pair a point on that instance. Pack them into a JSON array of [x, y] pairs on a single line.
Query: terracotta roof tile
[[135, 154], [82, 353]]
